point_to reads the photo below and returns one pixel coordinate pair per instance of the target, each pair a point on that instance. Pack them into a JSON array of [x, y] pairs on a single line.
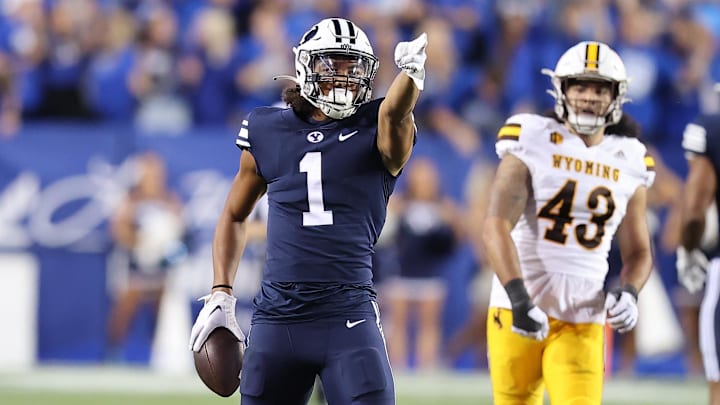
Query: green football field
[[116, 386]]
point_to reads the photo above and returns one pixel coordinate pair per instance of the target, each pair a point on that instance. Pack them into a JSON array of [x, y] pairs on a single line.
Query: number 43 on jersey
[[559, 210]]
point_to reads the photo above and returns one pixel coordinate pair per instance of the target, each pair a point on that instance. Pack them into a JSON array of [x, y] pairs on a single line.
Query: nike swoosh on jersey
[[344, 137], [351, 325]]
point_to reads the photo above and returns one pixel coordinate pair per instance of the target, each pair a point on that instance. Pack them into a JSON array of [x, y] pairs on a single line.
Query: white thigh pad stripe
[[708, 338]]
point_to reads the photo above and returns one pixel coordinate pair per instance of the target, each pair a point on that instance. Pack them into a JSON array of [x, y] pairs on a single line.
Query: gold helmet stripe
[[592, 52]]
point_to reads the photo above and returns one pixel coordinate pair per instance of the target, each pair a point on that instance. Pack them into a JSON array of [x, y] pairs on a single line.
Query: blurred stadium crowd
[[172, 64], [171, 67]]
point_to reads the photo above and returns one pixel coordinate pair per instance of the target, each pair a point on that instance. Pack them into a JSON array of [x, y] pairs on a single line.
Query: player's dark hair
[[627, 126], [292, 97]]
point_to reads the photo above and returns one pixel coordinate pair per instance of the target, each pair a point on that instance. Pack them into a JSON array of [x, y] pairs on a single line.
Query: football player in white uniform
[[564, 186]]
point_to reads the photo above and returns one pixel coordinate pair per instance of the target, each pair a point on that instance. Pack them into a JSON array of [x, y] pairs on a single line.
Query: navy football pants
[[349, 355]]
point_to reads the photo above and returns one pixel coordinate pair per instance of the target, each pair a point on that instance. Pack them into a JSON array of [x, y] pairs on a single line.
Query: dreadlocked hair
[[292, 97], [627, 126]]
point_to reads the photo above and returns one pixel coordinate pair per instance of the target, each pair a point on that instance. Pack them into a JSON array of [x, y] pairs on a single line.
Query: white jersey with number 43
[[579, 198]]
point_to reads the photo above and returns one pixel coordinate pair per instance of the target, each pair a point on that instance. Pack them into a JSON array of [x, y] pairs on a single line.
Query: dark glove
[[528, 320]]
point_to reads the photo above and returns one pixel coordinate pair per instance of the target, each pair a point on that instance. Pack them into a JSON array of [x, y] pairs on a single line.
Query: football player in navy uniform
[[328, 165], [701, 142]]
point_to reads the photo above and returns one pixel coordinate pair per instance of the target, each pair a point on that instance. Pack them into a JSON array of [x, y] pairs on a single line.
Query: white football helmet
[[335, 67], [593, 61]]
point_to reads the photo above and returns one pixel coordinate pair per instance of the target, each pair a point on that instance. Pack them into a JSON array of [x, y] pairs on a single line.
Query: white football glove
[[532, 323], [691, 268], [622, 309], [219, 311], [410, 57]]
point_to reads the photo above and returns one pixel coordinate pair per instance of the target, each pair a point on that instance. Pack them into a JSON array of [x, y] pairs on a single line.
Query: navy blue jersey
[[327, 193], [702, 137]]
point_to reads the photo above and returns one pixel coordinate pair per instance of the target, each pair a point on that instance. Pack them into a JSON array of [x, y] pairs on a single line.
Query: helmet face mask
[[335, 67], [587, 103], [599, 71]]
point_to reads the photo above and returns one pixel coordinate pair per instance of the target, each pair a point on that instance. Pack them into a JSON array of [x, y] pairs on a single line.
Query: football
[[219, 361]]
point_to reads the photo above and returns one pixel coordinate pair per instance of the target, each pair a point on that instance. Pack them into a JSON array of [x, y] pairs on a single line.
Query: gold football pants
[[569, 362]]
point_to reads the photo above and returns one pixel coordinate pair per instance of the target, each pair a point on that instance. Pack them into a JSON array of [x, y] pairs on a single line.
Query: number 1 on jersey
[[311, 164]]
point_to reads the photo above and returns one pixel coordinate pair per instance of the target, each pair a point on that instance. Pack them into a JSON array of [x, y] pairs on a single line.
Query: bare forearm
[[692, 232], [501, 251], [400, 99], [228, 245], [634, 240], [636, 269], [697, 196], [508, 198], [396, 125]]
